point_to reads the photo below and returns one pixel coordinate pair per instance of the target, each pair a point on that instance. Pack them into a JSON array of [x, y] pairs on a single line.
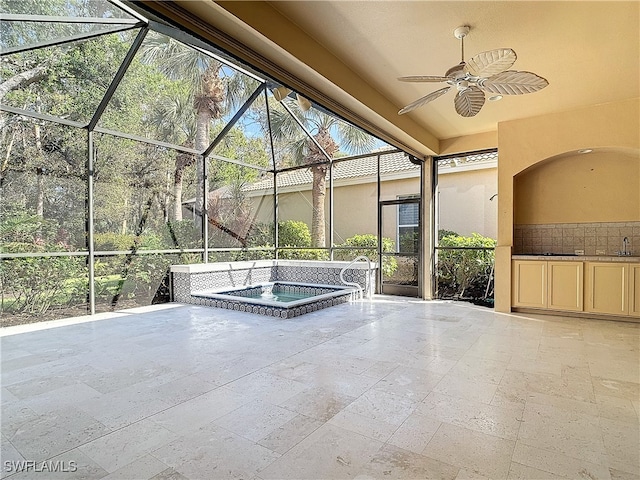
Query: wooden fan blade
[[489, 63], [423, 78], [513, 82], [422, 100], [469, 101]]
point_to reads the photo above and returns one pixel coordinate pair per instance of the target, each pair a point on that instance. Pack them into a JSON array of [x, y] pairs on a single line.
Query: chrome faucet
[[625, 247]]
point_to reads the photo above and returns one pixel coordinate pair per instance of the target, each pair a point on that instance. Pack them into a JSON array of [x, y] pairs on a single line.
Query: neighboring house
[[466, 200], [466, 186]]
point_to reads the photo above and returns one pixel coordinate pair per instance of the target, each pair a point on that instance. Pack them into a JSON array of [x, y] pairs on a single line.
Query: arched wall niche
[[601, 186]]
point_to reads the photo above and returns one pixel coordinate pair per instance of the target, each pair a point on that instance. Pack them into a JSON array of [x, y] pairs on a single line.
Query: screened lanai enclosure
[[128, 145]]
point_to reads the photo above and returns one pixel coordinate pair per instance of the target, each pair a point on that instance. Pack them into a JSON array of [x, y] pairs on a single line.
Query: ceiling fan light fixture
[[280, 93], [305, 105]]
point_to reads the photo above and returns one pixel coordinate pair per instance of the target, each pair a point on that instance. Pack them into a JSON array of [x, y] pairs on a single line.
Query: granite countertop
[[578, 258]]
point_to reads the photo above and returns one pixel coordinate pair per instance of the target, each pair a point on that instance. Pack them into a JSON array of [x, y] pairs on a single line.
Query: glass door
[[400, 227]]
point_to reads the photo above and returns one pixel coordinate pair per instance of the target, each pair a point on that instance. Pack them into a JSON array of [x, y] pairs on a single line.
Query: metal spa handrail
[[354, 284]]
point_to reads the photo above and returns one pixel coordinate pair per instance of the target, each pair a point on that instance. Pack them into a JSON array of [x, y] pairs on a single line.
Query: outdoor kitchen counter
[[579, 258], [577, 284]]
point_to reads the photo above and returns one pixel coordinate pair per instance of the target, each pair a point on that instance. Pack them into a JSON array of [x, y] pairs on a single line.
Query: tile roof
[[390, 163], [359, 167]]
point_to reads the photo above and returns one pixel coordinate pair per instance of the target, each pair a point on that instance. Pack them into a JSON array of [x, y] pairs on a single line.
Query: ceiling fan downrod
[[460, 33]]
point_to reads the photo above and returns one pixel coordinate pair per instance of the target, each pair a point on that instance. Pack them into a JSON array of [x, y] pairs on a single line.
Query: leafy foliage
[[32, 285], [446, 233], [125, 241], [304, 254], [292, 233], [464, 269], [367, 245], [409, 242], [329, 133]]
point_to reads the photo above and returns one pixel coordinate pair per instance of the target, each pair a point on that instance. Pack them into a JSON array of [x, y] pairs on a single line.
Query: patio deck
[[392, 388]]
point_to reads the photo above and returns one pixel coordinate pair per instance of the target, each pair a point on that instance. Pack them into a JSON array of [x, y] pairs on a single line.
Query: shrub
[[244, 255], [182, 234], [410, 242], [129, 276], [25, 229], [33, 285], [261, 234], [292, 233], [464, 271], [446, 233], [124, 241], [367, 244], [304, 254]]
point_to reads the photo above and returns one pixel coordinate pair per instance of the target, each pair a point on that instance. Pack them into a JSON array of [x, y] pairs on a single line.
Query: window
[[408, 226]]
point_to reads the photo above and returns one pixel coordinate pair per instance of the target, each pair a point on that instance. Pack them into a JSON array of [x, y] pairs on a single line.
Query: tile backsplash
[[593, 238]]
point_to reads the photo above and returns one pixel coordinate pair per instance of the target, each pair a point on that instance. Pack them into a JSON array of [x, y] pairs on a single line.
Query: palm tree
[[210, 94], [323, 127], [173, 120]]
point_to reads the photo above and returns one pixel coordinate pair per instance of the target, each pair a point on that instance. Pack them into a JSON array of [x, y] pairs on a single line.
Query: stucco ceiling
[[588, 51]]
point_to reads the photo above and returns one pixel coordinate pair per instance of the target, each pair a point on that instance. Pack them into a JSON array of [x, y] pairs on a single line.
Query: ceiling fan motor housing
[[457, 71]]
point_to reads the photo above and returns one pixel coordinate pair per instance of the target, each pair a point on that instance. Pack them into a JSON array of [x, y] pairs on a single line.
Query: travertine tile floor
[[394, 388]]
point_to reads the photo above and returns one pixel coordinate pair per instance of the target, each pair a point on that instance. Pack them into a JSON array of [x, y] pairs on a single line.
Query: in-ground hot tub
[[190, 282], [277, 299]]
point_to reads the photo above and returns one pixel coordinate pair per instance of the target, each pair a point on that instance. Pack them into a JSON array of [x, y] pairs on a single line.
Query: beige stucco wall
[[355, 206], [463, 202], [355, 211], [612, 127], [469, 143], [298, 206], [578, 189]]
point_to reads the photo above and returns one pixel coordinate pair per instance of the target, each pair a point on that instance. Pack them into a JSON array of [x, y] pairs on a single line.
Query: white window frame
[[398, 225]]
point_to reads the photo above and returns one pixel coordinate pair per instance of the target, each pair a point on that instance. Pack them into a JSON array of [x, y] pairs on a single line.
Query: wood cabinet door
[[529, 283], [607, 288], [634, 290], [566, 286]]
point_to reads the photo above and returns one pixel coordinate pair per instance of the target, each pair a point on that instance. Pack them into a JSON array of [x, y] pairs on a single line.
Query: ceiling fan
[[485, 72]]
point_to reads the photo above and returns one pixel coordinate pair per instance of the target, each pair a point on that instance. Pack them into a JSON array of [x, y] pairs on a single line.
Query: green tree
[[33, 285], [211, 93], [43, 167], [174, 122], [327, 131]]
